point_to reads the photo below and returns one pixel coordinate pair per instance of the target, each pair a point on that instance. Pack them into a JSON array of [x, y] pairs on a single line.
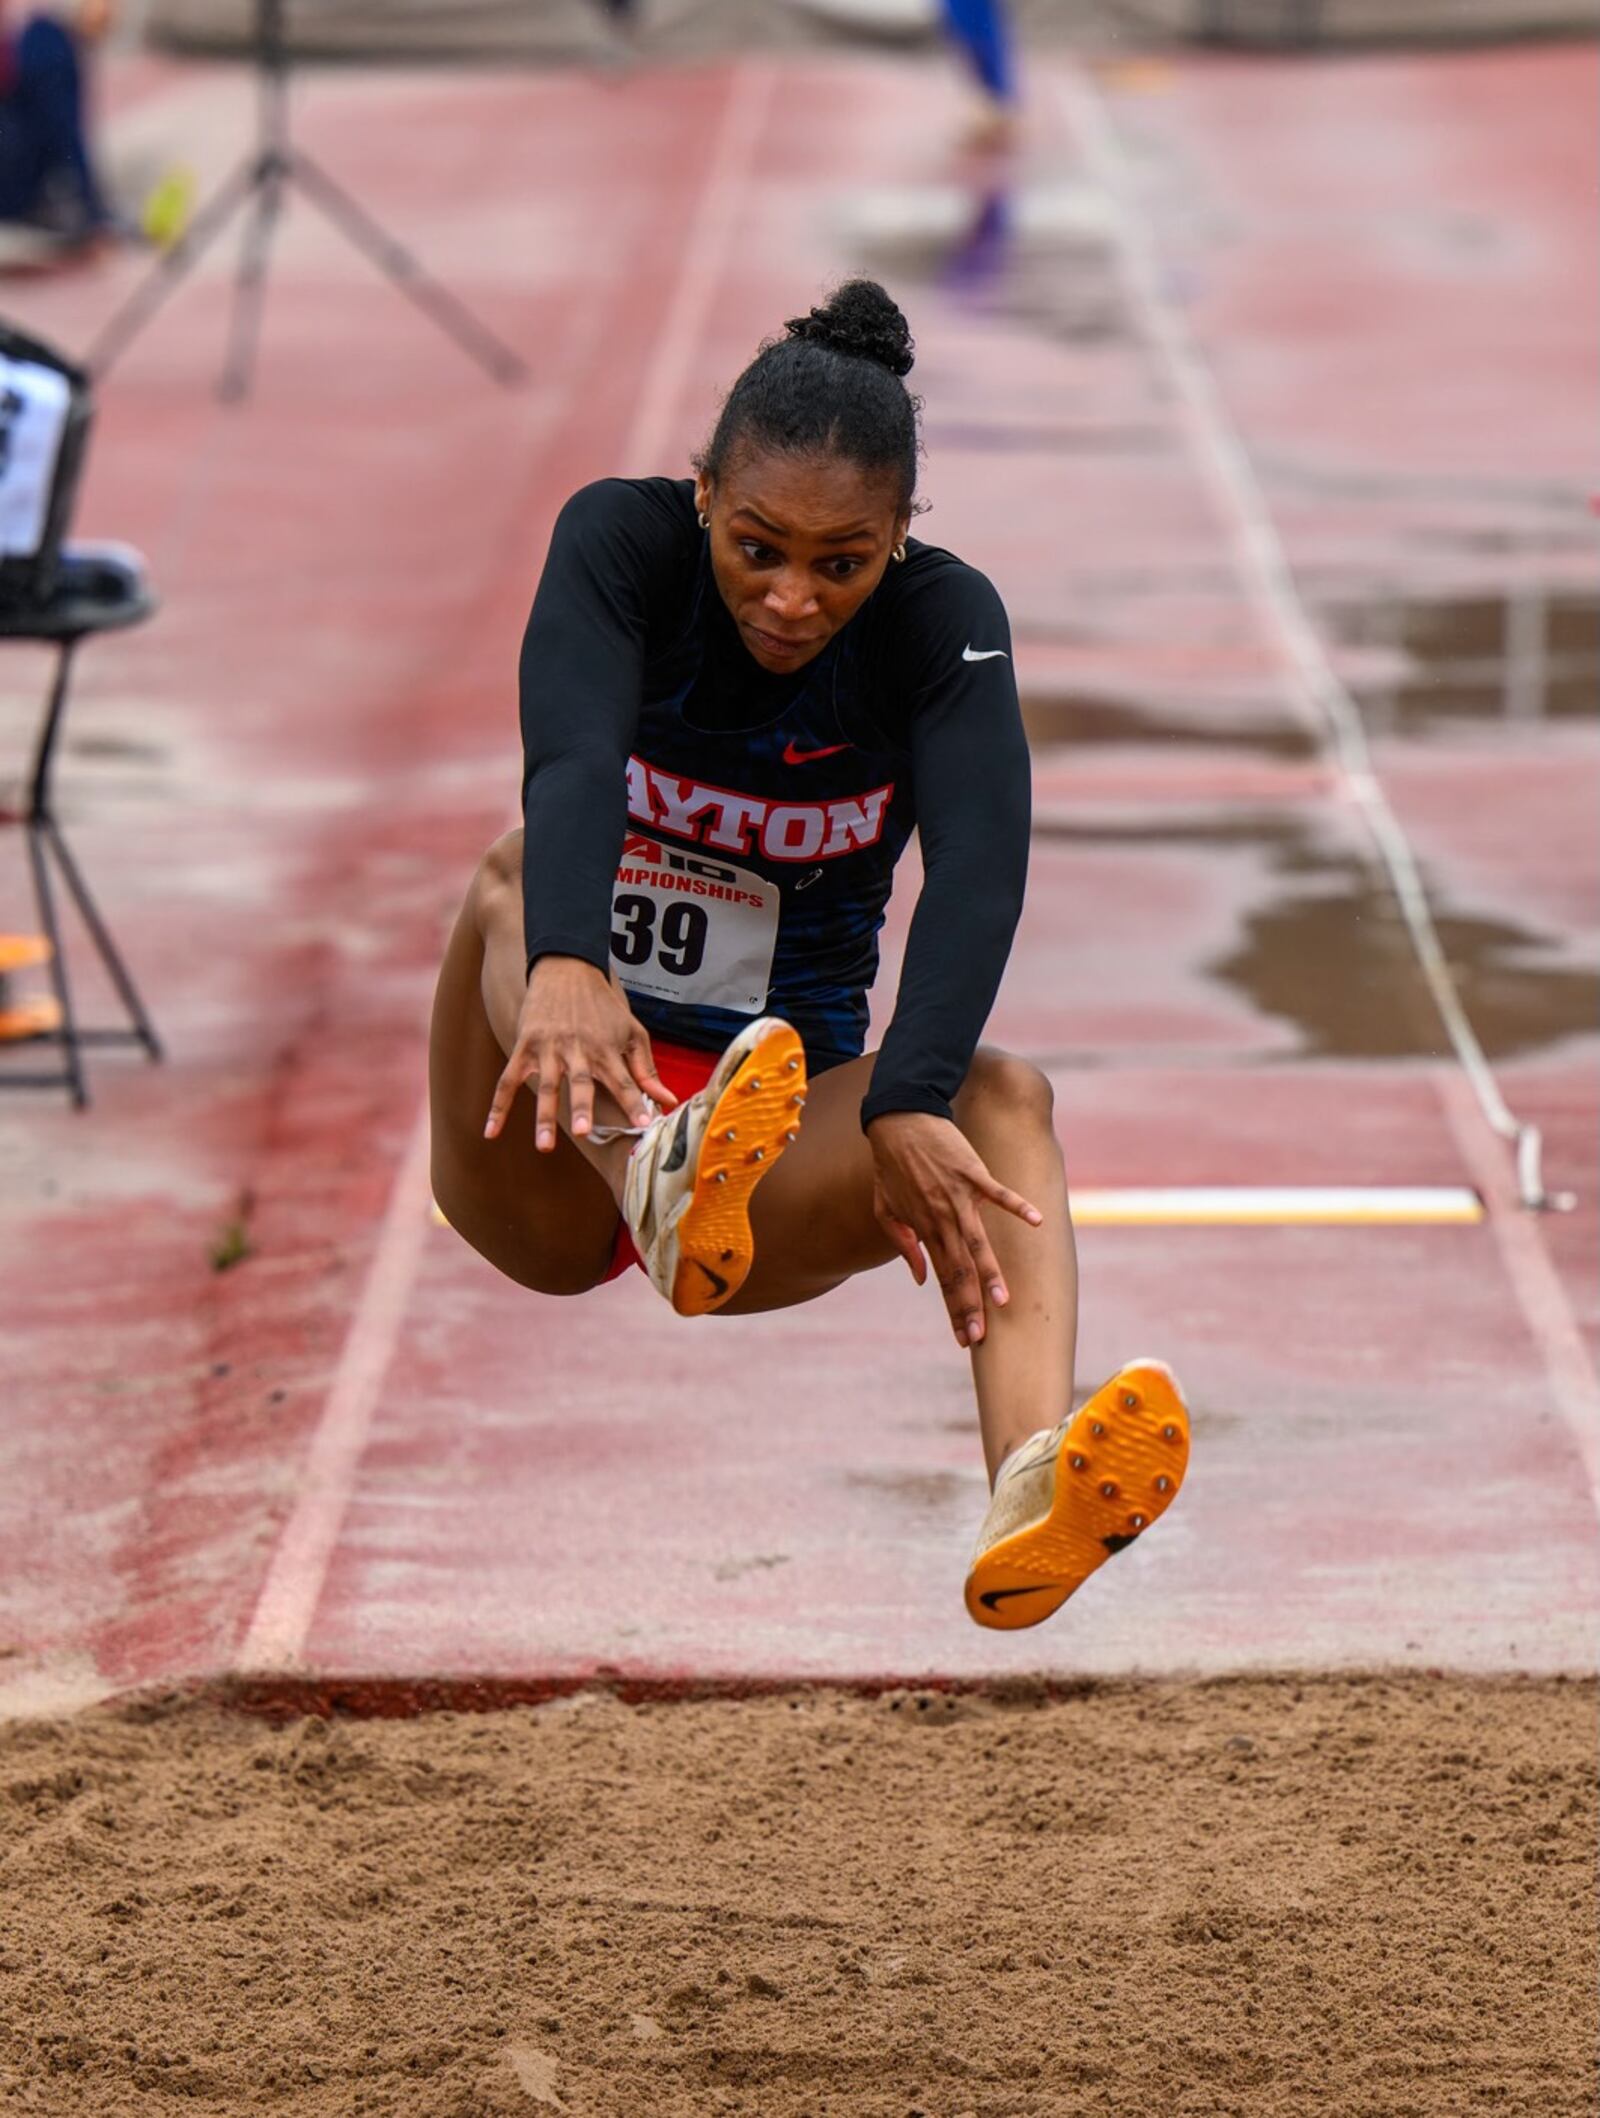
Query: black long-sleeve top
[[726, 837]]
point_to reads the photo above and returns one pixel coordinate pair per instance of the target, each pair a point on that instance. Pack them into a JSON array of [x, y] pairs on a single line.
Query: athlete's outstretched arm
[[970, 765], [970, 769], [580, 678]]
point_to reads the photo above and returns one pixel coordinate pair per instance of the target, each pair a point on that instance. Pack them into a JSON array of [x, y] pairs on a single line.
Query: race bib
[[692, 930]]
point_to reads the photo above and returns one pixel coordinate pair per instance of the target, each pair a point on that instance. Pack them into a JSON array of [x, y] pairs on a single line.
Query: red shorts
[[685, 1070]]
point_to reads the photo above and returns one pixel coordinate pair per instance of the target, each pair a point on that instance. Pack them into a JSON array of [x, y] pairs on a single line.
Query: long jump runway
[[267, 1419]]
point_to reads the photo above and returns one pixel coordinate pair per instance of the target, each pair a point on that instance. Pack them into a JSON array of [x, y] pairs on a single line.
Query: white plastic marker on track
[[284, 1612], [1535, 1282], [1263, 565], [1278, 1206]]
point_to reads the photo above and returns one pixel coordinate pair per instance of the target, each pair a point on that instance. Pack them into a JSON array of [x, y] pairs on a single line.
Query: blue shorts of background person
[[47, 177], [980, 28]]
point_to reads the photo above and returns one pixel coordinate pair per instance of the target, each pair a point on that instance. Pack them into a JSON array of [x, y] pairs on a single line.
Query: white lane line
[[1262, 563], [705, 254], [1277, 1206], [1543, 1300], [287, 1606], [289, 1595]]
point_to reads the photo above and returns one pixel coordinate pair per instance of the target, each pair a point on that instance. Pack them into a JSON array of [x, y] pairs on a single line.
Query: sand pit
[[1343, 1895]]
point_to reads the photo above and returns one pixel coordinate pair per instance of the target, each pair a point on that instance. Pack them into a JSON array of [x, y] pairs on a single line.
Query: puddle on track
[[1087, 721], [1526, 655], [1330, 953]]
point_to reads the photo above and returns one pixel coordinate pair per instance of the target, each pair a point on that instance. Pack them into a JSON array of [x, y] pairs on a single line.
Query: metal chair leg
[[45, 842], [72, 1074], [100, 935]]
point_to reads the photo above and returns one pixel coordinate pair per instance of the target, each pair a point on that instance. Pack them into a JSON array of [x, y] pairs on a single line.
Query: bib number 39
[[679, 946], [691, 930]]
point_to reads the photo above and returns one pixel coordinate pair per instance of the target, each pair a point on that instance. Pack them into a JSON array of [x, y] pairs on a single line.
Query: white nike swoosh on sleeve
[[969, 653]]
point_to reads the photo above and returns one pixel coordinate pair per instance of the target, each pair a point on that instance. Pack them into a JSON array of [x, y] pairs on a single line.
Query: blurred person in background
[[48, 179], [982, 34], [979, 29]]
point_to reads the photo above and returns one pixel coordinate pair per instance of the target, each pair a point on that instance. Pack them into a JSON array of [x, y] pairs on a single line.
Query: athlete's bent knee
[[499, 871], [455, 1197], [543, 1268], [999, 1084]]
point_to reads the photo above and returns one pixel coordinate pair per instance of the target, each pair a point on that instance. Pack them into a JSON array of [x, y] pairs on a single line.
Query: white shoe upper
[[658, 1185]]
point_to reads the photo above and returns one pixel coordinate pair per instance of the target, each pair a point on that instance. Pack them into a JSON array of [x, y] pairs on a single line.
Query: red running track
[[359, 1456]]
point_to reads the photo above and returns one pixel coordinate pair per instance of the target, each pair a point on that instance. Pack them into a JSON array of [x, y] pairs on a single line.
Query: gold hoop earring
[[704, 519], [898, 554]]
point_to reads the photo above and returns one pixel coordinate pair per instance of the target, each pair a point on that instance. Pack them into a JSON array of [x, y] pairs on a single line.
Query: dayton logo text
[[744, 823]]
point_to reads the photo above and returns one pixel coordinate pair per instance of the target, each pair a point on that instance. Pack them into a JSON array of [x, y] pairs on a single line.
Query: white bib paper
[[690, 929], [34, 402]]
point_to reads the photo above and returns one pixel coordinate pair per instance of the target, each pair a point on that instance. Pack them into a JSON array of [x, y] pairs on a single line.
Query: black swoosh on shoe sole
[[718, 1283], [992, 1599]]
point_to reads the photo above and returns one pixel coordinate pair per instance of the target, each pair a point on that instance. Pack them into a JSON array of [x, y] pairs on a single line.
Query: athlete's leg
[[815, 1228], [547, 1221], [1023, 1365]]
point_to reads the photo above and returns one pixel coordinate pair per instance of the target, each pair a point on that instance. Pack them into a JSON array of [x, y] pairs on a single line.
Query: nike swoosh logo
[[791, 756], [718, 1284], [969, 653], [994, 1597]]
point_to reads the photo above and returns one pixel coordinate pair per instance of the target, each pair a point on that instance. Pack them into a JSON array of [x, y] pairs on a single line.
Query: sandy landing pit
[[1359, 1897]]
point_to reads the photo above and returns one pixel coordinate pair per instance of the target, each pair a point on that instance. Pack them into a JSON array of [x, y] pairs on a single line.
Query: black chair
[[94, 590]]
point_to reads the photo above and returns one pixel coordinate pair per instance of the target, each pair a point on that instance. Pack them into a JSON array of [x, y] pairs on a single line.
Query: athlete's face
[[798, 543]]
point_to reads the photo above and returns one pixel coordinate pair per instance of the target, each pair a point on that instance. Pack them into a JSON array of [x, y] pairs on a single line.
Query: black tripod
[[257, 186]]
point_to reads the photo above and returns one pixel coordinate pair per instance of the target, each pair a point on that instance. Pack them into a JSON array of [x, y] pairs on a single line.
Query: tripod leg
[[163, 278], [250, 288], [100, 935], [452, 316]]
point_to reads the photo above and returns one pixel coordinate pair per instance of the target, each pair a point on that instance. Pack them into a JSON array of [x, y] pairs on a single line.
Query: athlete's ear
[[702, 493]]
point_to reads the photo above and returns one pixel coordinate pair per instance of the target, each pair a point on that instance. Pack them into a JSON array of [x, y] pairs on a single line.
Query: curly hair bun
[[861, 319]]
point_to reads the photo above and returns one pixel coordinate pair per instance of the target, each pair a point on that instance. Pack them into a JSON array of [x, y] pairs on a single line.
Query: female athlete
[[739, 697]]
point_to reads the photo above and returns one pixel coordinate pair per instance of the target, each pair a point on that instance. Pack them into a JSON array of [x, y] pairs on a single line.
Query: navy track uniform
[[726, 837]]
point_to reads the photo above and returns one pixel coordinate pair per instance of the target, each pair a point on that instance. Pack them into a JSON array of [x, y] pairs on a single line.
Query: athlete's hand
[[928, 1183], [576, 1027]]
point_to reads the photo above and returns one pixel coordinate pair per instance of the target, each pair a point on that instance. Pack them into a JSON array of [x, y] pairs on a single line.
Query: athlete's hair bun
[[860, 318], [832, 386]]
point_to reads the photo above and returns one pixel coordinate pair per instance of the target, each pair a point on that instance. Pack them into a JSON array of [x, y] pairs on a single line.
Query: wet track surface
[[281, 784]]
